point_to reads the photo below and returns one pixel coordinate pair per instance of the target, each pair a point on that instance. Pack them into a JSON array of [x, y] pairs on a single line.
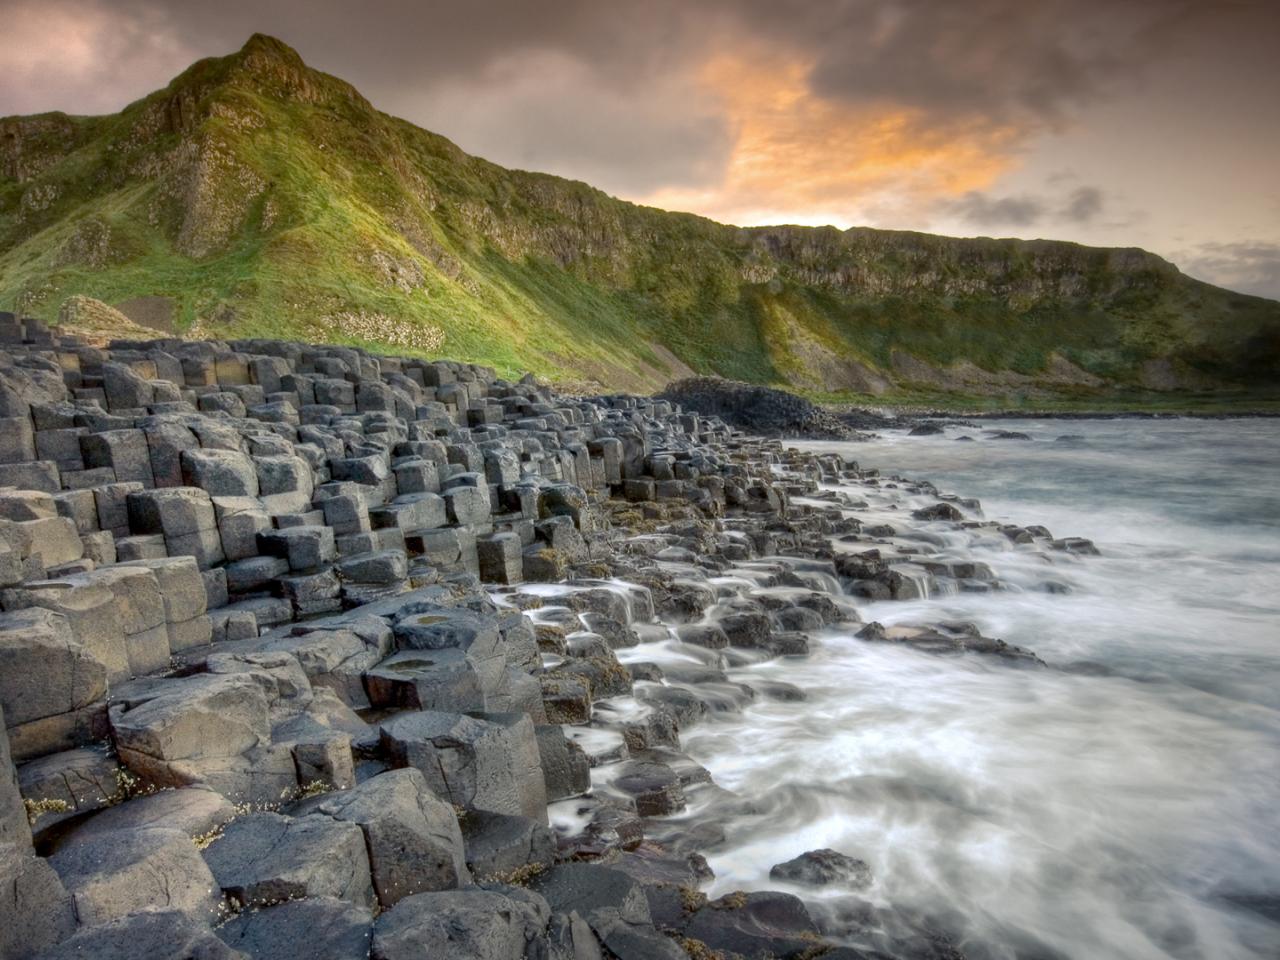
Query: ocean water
[[1123, 801]]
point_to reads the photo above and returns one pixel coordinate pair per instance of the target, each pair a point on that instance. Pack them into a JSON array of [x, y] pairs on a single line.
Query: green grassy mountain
[[255, 196]]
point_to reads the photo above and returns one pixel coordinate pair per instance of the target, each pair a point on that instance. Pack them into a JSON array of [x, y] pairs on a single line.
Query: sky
[[1151, 123]]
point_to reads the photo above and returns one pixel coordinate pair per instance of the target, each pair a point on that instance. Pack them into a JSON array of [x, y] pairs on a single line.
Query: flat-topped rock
[[264, 858], [412, 836], [117, 873], [489, 762]]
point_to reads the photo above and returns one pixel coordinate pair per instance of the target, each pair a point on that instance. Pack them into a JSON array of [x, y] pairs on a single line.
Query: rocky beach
[[311, 652]]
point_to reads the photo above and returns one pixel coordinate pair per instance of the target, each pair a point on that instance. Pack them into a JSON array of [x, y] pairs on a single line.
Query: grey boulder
[[413, 838], [153, 934], [817, 868], [763, 924], [489, 762], [120, 872], [503, 846], [455, 925], [262, 858], [301, 930]]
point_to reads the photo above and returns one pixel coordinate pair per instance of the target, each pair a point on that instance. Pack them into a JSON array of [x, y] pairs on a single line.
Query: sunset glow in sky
[[1152, 123]]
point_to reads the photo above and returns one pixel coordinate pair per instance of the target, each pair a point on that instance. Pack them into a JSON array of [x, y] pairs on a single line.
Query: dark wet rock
[[588, 645], [799, 619], [612, 903], [643, 670], [948, 638], [1007, 435], [709, 635], [764, 924], [565, 768], [455, 925], [819, 868], [866, 565], [570, 938], [925, 430], [781, 690], [938, 511], [605, 676], [654, 787], [566, 698], [1077, 545], [658, 728], [670, 882], [760, 410], [873, 631], [501, 846], [685, 706], [610, 827], [788, 643], [684, 601], [750, 629]]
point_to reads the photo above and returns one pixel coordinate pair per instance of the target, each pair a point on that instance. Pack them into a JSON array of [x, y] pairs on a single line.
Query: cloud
[[77, 56], [1083, 206], [1250, 267], [676, 133], [984, 211], [797, 157], [745, 110]]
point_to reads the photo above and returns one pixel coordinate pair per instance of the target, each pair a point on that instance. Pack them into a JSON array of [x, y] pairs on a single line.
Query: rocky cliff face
[[256, 196]]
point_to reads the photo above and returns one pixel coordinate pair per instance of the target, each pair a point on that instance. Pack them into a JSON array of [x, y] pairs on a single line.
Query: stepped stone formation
[[300, 645]]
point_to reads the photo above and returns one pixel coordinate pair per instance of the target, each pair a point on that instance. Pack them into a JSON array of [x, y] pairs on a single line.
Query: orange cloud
[[800, 158]]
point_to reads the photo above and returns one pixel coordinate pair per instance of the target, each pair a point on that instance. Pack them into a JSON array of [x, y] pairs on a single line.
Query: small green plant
[[519, 877], [697, 950], [692, 899], [315, 788], [204, 840], [38, 808]]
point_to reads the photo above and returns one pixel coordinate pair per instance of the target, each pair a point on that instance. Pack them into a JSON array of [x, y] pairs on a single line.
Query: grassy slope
[[279, 203]]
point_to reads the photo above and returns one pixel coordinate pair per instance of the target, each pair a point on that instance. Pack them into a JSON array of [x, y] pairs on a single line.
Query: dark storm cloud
[[1247, 267], [981, 210], [1083, 205], [608, 90], [747, 110], [995, 57]]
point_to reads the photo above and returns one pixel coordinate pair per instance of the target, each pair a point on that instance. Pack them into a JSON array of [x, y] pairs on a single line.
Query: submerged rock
[[818, 868]]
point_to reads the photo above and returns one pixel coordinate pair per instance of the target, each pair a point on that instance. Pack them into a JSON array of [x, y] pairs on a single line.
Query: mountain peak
[[265, 47]]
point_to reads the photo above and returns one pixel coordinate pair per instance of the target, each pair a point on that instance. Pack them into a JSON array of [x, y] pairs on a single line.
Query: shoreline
[[388, 612], [1118, 415]]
